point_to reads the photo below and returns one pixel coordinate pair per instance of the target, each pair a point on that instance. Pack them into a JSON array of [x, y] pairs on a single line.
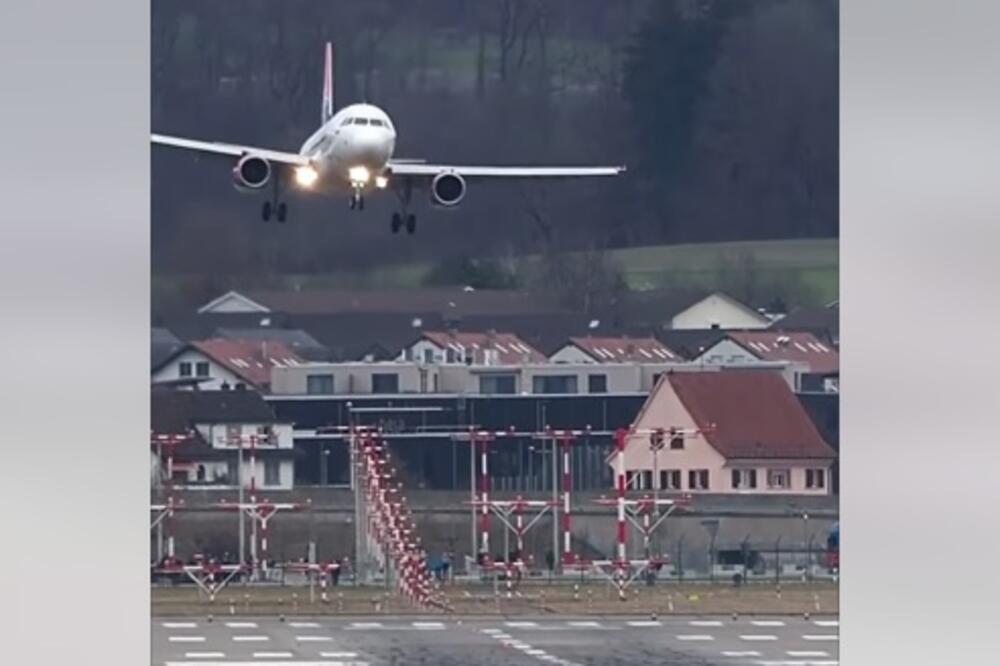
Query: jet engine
[[251, 173], [447, 189]]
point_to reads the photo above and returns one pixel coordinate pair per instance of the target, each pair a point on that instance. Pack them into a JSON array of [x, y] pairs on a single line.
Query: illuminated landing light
[[381, 182], [306, 176], [359, 175]]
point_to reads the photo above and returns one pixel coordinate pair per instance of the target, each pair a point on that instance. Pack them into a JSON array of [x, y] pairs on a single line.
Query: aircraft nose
[[371, 149]]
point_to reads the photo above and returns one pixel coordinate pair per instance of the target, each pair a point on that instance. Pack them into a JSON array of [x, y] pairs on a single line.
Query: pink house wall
[[665, 410]]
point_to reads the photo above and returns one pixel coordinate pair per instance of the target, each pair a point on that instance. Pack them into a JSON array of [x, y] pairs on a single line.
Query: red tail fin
[[328, 84]]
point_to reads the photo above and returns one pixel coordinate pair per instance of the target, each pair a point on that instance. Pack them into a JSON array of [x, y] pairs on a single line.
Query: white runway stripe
[[821, 637], [366, 625], [585, 623], [759, 637], [807, 653], [429, 625], [338, 655], [205, 655], [272, 655], [304, 625], [695, 637], [241, 625], [535, 653], [521, 624], [827, 623], [186, 639], [243, 638], [313, 639], [767, 623], [744, 653], [269, 663], [705, 623], [832, 662], [491, 631], [643, 623], [180, 625]]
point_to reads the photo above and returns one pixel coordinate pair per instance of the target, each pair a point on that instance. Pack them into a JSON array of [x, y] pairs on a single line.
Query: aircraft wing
[[231, 149], [409, 168]]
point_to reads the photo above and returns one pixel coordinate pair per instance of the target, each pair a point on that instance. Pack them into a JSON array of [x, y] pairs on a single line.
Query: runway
[[387, 640]]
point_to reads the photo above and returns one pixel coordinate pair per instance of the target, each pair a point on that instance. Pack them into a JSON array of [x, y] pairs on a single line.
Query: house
[[471, 348], [301, 342], [591, 349], [219, 363], [749, 434], [719, 310], [215, 425], [666, 309], [820, 363]]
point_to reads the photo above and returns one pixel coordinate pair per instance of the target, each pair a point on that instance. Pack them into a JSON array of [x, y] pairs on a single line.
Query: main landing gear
[[357, 200], [409, 220], [276, 207]]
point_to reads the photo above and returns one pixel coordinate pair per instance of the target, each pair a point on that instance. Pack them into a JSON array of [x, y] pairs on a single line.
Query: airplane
[[352, 153]]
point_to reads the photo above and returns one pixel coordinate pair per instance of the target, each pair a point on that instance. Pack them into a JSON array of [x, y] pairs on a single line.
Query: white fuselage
[[358, 140]]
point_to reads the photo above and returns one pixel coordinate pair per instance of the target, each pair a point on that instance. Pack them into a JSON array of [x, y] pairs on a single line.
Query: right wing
[[418, 169], [230, 149]]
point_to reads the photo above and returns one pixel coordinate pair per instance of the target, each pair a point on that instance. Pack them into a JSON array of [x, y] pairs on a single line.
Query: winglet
[[328, 84]]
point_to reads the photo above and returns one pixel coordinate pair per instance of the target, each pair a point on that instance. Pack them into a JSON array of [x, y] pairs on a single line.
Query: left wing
[[234, 150], [408, 168]]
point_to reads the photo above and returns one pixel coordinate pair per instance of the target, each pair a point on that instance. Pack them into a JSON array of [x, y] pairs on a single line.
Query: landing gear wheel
[[411, 223], [265, 211], [361, 202], [282, 212], [397, 222]]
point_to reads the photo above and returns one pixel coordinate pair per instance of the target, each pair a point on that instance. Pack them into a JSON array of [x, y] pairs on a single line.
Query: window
[[201, 369], [347, 121], [377, 123], [631, 480], [778, 479], [319, 384], [272, 473], [385, 382], [360, 121], [677, 442], [815, 478], [429, 356], [554, 384], [698, 479], [597, 383], [647, 480], [497, 384], [656, 378], [185, 369], [744, 479], [670, 479]]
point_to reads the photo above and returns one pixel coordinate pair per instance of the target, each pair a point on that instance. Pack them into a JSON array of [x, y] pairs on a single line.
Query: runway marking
[[366, 625], [428, 625], [695, 637], [585, 623], [241, 625], [501, 636], [338, 655], [272, 655], [313, 639], [745, 653], [821, 637], [833, 662], [270, 663], [827, 623], [759, 637], [521, 624], [180, 625], [767, 623], [643, 623], [806, 653], [304, 625], [491, 631], [535, 652], [186, 639], [252, 638], [705, 623], [205, 655]]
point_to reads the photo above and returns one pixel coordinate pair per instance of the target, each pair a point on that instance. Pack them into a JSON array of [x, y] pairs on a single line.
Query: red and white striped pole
[[253, 501], [621, 438], [567, 489]]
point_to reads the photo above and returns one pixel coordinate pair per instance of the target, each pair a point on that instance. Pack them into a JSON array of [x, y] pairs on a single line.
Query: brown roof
[[623, 349], [443, 300], [250, 359], [754, 414], [510, 349], [800, 347]]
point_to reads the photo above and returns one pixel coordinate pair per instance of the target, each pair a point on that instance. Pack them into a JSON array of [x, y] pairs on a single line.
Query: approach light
[[306, 176], [358, 174], [381, 182]]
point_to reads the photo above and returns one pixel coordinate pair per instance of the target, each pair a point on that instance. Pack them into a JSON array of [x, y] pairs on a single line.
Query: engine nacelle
[[251, 173], [447, 189]]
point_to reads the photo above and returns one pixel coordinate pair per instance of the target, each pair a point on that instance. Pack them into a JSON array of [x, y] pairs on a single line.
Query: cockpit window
[[377, 123], [347, 121], [360, 121]]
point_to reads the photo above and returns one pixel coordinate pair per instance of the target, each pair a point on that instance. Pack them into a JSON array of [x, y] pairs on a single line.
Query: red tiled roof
[[251, 360], [793, 346], [620, 350], [755, 414], [510, 349]]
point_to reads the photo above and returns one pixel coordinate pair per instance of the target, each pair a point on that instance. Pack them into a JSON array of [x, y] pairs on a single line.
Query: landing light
[[358, 174], [306, 176], [381, 182]]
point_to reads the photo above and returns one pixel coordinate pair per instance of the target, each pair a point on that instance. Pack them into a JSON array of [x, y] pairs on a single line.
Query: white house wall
[[217, 374], [717, 311], [571, 354], [726, 351]]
